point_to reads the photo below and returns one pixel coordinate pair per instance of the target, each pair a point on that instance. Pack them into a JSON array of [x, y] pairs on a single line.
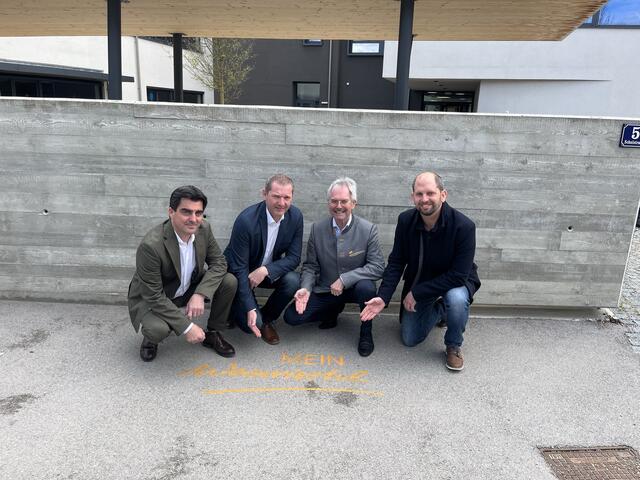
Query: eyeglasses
[[335, 202]]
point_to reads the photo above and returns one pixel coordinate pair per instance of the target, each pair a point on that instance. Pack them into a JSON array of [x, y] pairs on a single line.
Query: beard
[[428, 209]]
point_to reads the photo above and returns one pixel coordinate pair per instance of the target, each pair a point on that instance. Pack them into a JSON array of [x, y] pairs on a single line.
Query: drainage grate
[[594, 463]]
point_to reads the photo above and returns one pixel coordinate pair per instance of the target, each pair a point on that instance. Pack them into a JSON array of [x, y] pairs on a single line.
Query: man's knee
[[154, 329], [457, 298], [290, 283], [229, 284], [409, 340], [291, 316]]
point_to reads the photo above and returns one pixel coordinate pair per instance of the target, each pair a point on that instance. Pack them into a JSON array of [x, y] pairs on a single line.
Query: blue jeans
[[283, 291], [325, 306], [454, 306]]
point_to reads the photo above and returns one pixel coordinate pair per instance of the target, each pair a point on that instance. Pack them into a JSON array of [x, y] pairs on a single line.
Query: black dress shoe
[[365, 345], [148, 350], [328, 323], [214, 339]]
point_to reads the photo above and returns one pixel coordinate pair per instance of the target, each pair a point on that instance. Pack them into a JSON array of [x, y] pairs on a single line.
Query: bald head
[[429, 177]]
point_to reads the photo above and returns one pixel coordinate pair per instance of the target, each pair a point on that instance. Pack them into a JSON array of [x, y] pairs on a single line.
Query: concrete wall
[[591, 72], [554, 199], [149, 63]]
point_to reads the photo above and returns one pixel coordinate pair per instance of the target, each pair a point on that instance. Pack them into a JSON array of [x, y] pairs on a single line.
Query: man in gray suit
[[179, 268], [344, 260]]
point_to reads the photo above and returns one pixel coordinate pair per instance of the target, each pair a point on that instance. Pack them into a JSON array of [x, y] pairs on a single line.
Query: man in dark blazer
[[343, 261], [434, 248], [179, 268], [264, 251]]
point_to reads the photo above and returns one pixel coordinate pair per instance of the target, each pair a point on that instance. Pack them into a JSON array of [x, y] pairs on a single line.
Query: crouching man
[[433, 250], [179, 268], [344, 260]]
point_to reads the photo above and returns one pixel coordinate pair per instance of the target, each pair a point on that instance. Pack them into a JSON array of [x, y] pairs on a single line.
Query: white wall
[[156, 60], [591, 72]]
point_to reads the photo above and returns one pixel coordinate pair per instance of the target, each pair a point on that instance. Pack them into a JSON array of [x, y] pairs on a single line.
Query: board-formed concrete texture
[[554, 199]]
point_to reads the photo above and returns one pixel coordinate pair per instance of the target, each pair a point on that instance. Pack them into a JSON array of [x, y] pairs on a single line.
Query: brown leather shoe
[[214, 339], [269, 334], [454, 358]]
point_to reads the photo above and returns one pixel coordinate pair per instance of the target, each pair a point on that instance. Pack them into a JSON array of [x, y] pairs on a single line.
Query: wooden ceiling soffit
[[299, 19]]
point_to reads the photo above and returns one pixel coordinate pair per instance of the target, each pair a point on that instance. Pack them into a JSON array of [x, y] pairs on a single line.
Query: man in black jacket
[[434, 246]]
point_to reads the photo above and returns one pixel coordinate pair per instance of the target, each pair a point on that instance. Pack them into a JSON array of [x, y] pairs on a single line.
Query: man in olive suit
[[179, 268]]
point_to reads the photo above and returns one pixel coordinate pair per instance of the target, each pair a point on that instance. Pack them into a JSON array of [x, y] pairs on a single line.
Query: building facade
[[76, 67], [594, 71], [318, 73]]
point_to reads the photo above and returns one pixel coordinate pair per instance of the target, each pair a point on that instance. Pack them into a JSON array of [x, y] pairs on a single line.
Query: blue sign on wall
[[630, 136]]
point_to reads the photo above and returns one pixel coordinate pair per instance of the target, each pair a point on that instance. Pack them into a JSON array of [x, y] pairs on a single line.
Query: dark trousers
[[283, 290], [325, 306], [155, 329]]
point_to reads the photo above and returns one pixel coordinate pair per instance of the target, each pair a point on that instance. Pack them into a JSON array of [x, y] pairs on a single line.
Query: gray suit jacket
[[157, 276], [355, 255]]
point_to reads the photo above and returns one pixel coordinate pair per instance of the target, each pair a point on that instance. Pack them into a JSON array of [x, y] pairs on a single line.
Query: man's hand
[[337, 287], [195, 334], [195, 307], [373, 308], [302, 297], [409, 303], [252, 316], [257, 276]]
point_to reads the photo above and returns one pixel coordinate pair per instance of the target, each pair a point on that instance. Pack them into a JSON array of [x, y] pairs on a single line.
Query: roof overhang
[[299, 19], [46, 70]]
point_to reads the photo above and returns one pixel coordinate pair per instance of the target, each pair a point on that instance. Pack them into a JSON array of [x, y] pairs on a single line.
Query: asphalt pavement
[[76, 402]]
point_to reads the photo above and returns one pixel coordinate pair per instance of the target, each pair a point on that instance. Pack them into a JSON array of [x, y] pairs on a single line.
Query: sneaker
[[454, 358]]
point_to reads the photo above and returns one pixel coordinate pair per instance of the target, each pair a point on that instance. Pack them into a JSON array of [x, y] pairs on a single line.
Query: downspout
[[138, 77]]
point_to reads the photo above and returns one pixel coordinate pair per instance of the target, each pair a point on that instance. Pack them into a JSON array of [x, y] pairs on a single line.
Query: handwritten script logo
[[328, 368]]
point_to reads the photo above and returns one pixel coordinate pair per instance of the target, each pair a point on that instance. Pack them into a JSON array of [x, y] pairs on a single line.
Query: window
[[366, 47], [616, 14], [158, 94], [306, 94], [312, 43], [447, 101], [52, 87]]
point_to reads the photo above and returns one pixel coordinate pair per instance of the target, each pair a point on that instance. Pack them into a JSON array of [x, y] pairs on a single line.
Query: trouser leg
[[283, 291], [154, 329], [456, 305], [319, 307], [221, 303], [361, 292], [417, 325]]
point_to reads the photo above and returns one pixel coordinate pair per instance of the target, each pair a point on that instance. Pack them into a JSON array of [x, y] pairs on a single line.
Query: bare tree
[[223, 65]]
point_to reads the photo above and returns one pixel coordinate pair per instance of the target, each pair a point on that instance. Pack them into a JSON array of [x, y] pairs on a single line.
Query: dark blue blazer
[[448, 250], [249, 240]]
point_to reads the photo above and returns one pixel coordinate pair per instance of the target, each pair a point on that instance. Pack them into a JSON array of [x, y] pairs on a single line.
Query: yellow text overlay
[[234, 371]]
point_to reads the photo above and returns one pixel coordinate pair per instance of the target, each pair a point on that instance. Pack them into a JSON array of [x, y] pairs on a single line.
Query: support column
[[114, 45], [405, 41], [178, 90]]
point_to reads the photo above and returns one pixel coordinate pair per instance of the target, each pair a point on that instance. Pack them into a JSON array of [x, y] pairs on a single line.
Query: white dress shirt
[[273, 228], [187, 266]]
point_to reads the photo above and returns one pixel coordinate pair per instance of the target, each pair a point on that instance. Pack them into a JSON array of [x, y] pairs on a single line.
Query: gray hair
[[350, 183]]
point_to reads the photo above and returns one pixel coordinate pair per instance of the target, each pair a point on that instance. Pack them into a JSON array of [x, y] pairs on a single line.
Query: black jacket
[[448, 252]]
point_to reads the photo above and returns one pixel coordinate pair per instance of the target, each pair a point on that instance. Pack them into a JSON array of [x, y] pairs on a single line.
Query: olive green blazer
[[157, 276]]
